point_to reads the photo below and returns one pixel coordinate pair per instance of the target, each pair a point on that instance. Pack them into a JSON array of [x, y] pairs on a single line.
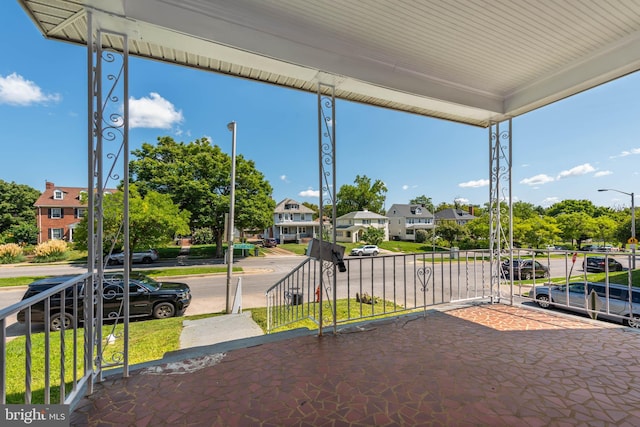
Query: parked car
[[144, 257], [585, 296], [525, 269], [147, 297], [596, 264], [269, 243], [365, 250]]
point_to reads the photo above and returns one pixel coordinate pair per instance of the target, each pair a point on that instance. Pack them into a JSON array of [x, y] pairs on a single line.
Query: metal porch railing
[[381, 285]]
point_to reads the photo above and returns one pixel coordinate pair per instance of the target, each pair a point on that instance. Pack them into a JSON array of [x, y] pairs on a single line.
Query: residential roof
[[407, 210], [280, 207], [70, 196], [362, 215], [454, 214], [474, 62]]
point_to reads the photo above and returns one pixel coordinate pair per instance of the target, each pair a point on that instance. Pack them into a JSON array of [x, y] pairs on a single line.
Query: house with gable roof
[[58, 211], [349, 227], [292, 222], [405, 219], [459, 216]]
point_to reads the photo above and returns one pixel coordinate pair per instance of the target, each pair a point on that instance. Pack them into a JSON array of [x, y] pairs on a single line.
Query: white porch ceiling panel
[[470, 61]]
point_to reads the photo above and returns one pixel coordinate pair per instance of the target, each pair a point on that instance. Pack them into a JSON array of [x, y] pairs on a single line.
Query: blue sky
[[564, 151]]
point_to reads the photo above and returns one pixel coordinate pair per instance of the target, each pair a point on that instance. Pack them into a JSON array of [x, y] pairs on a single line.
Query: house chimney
[[471, 210], [49, 185]]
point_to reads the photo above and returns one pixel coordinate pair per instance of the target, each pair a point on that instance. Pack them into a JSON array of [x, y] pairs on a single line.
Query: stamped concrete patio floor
[[481, 365]]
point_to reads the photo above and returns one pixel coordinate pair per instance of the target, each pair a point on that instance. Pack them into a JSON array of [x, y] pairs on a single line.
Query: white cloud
[[461, 200], [405, 187], [576, 171], [626, 153], [153, 112], [550, 201], [602, 173], [537, 180], [16, 90], [474, 184], [283, 178], [309, 193]]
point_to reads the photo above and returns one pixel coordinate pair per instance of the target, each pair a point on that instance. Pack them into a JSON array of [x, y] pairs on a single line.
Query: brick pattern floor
[[484, 365]]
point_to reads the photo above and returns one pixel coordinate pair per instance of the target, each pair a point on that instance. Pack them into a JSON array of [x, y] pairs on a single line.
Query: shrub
[[51, 250], [10, 253], [202, 236]]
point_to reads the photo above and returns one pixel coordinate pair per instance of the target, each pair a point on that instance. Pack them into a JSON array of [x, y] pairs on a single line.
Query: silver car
[[144, 257], [599, 300]]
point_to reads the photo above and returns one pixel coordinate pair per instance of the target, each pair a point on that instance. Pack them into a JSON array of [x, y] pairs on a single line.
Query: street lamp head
[[603, 189], [231, 126]]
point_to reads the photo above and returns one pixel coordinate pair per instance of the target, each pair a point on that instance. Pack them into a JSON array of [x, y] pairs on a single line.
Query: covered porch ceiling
[[469, 61]]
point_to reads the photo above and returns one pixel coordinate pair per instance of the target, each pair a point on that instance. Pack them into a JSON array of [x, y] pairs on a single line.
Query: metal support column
[[108, 152], [500, 205], [327, 188]]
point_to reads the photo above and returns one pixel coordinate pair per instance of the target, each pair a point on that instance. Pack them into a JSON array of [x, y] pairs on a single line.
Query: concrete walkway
[[217, 329]]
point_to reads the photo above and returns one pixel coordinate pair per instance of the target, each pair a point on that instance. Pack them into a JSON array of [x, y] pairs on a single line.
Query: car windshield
[[145, 280]]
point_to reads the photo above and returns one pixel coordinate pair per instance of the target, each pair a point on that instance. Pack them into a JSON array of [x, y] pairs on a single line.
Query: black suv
[[596, 264], [147, 297]]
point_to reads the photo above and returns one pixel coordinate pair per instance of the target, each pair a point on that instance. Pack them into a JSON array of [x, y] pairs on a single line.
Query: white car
[[144, 257], [365, 250]]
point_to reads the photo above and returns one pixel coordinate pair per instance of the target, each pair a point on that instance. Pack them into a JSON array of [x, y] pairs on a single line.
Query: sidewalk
[[217, 329]]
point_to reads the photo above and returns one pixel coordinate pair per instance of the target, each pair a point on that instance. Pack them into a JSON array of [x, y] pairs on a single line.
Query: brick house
[[58, 211]]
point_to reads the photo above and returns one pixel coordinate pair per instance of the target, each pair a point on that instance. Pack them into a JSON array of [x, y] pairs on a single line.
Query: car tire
[[164, 310], [55, 323], [375, 253], [633, 321], [543, 301], [528, 275]]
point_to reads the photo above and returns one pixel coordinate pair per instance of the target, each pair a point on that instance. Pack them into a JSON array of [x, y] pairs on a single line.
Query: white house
[[404, 220], [293, 222], [349, 227]]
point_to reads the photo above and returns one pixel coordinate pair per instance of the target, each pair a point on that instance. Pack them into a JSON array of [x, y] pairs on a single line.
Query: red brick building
[[59, 211]]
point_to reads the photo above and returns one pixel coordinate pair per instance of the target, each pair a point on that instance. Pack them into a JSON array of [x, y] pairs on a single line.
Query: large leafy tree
[[424, 201], [153, 220], [365, 194], [535, 230], [197, 177], [576, 226], [17, 211], [577, 206]]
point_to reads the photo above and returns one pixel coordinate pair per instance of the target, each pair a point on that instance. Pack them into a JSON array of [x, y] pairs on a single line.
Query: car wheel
[[375, 253], [543, 301], [528, 276], [546, 275], [633, 321], [164, 310], [55, 324]]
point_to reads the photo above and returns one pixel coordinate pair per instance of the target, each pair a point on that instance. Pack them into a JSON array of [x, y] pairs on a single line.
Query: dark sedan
[[525, 269], [597, 264]]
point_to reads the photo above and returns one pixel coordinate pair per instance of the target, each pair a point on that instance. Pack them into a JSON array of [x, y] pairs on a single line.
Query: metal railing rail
[[71, 354], [381, 285]]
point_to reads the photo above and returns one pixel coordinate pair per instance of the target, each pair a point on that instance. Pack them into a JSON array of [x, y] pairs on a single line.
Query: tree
[[606, 228], [451, 232], [577, 206], [424, 201], [153, 220], [363, 195], [373, 235], [524, 210], [197, 177], [16, 209], [535, 231], [314, 208], [576, 226]]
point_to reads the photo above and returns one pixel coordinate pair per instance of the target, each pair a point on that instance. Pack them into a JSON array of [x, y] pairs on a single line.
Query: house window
[[366, 221], [55, 213], [58, 195], [381, 221], [302, 230], [80, 212], [410, 231], [56, 233]]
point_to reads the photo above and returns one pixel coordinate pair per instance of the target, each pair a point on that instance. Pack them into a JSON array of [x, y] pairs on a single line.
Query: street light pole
[[633, 224], [231, 225]]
